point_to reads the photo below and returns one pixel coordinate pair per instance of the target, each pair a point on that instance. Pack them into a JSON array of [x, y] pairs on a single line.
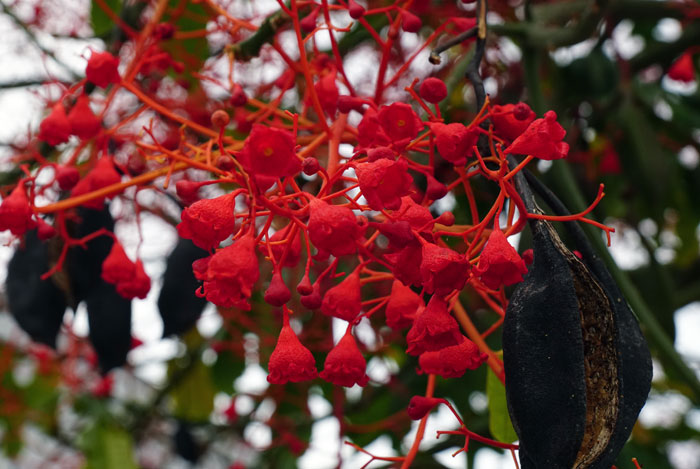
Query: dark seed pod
[[577, 367], [178, 304], [109, 318], [37, 305]]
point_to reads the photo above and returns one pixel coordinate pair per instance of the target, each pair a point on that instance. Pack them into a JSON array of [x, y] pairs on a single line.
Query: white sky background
[[20, 114]]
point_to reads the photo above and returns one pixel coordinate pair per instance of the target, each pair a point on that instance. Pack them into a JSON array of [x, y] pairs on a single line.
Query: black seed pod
[[577, 367], [109, 318]]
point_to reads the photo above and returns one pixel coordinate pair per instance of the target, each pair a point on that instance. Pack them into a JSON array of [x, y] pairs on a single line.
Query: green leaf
[[100, 21], [499, 421], [225, 370], [108, 447], [193, 397]]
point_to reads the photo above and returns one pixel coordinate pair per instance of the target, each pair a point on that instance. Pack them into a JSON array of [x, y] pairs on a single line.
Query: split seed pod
[[578, 370]]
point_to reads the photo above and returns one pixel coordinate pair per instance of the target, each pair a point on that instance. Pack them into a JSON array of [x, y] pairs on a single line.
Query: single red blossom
[[384, 182], [433, 90], [433, 329], [207, 222], [103, 174], [406, 264], [455, 142], [461, 24], [290, 361], [400, 123], [333, 229], [379, 153], [313, 299], [268, 153], [355, 9], [410, 22], [453, 361], [138, 285], [238, 96], [55, 128], [188, 191], [350, 103], [44, 231], [83, 122], [420, 406], [66, 177], [402, 306], [443, 270], [370, 132], [129, 278], [102, 69], [308, 23], [542, 139], [277, 294], [683, 69], [511, 120], [278, 244], [345, 365], [499, 263], [16, 213], [327, 92], [399, 233], [231, 274], [343, 300], [416, 215]]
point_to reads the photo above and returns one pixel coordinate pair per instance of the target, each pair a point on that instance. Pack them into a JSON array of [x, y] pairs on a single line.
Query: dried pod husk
[[577, 367]]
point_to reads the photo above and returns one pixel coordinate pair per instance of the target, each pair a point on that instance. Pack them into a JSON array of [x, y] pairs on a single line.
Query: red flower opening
[[511, 120], [433, 90], [231, 273], [207, 222], [455, 142], [345, 365], [332, 228], [102, 69], [400, 122], [442, 269], [83, 122], [15, 212], [542, 139], [433, 329], [55, 128], [499, 263], [268, 153], [383, 182]]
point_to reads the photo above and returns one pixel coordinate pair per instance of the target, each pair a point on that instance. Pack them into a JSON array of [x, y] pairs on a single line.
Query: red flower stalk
[[207, 222], [345, 365], [420, 406], [433, 329], [231, 273], [268, 153], [343, 300], [102, 69], [402, 306], [55, 128], [499, 263], [433, 90], [384, 182], [511, 120], [400, 122], [129, 278], [279, 242], [683, 69], [333, 229], [443, 270], [15, 212], [452, 361], [83, 122], [542, 139], [290, 361], [455, 142]]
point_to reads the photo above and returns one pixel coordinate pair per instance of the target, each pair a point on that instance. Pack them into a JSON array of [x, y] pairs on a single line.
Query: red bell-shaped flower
[[452, 361], [402, 307], [102, 69], [370, 131], [433, 329], [332, 228], [290, 361], [400, 123], [442, 269], [207, 222], [345, 365], [499, 263], [383, 182], [83, 122], [410, 22], [269, 153], [138, 285], [231, 273], [683, 69], [542, 139], [455, 142], [102, 175], [55, 128], [511, 120], [15, 212], [129, 278], [406, 264], [327, 92], [343, 300], [433, 90], [420, 406], [417, 216]]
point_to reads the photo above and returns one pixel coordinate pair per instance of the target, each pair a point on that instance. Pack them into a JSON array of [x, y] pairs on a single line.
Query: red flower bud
[[102, 69], [188, 191], [683, 69], [349, 103], [15, 212], [55, 128], [290, 361], [529, 256], [220, 118], [420, 406], [499, 263], [277, 294], [542, 139], [310, 166], [238, 96], [308, 23], [345, 365], [402, 307], [433, 329], [355, 9], [83, 122], [435, 190], [410, 22], [433, 90], [207, 222], [343, 300], [455, 142]]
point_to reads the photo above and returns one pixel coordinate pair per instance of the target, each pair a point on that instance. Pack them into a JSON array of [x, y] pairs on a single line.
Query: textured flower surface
[[383, 182], [15, 212], [129, 278], [207, 222], [83, 122], [290, 360], [269, 153], [443, 270], [452, 361], [402, 307], [455, 142], [542, 139], [332, 228], [343, 300], [231, 273], [499, 264], [511, 120], [433, 329], [345, 365], [55, 128], [102, 69]]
